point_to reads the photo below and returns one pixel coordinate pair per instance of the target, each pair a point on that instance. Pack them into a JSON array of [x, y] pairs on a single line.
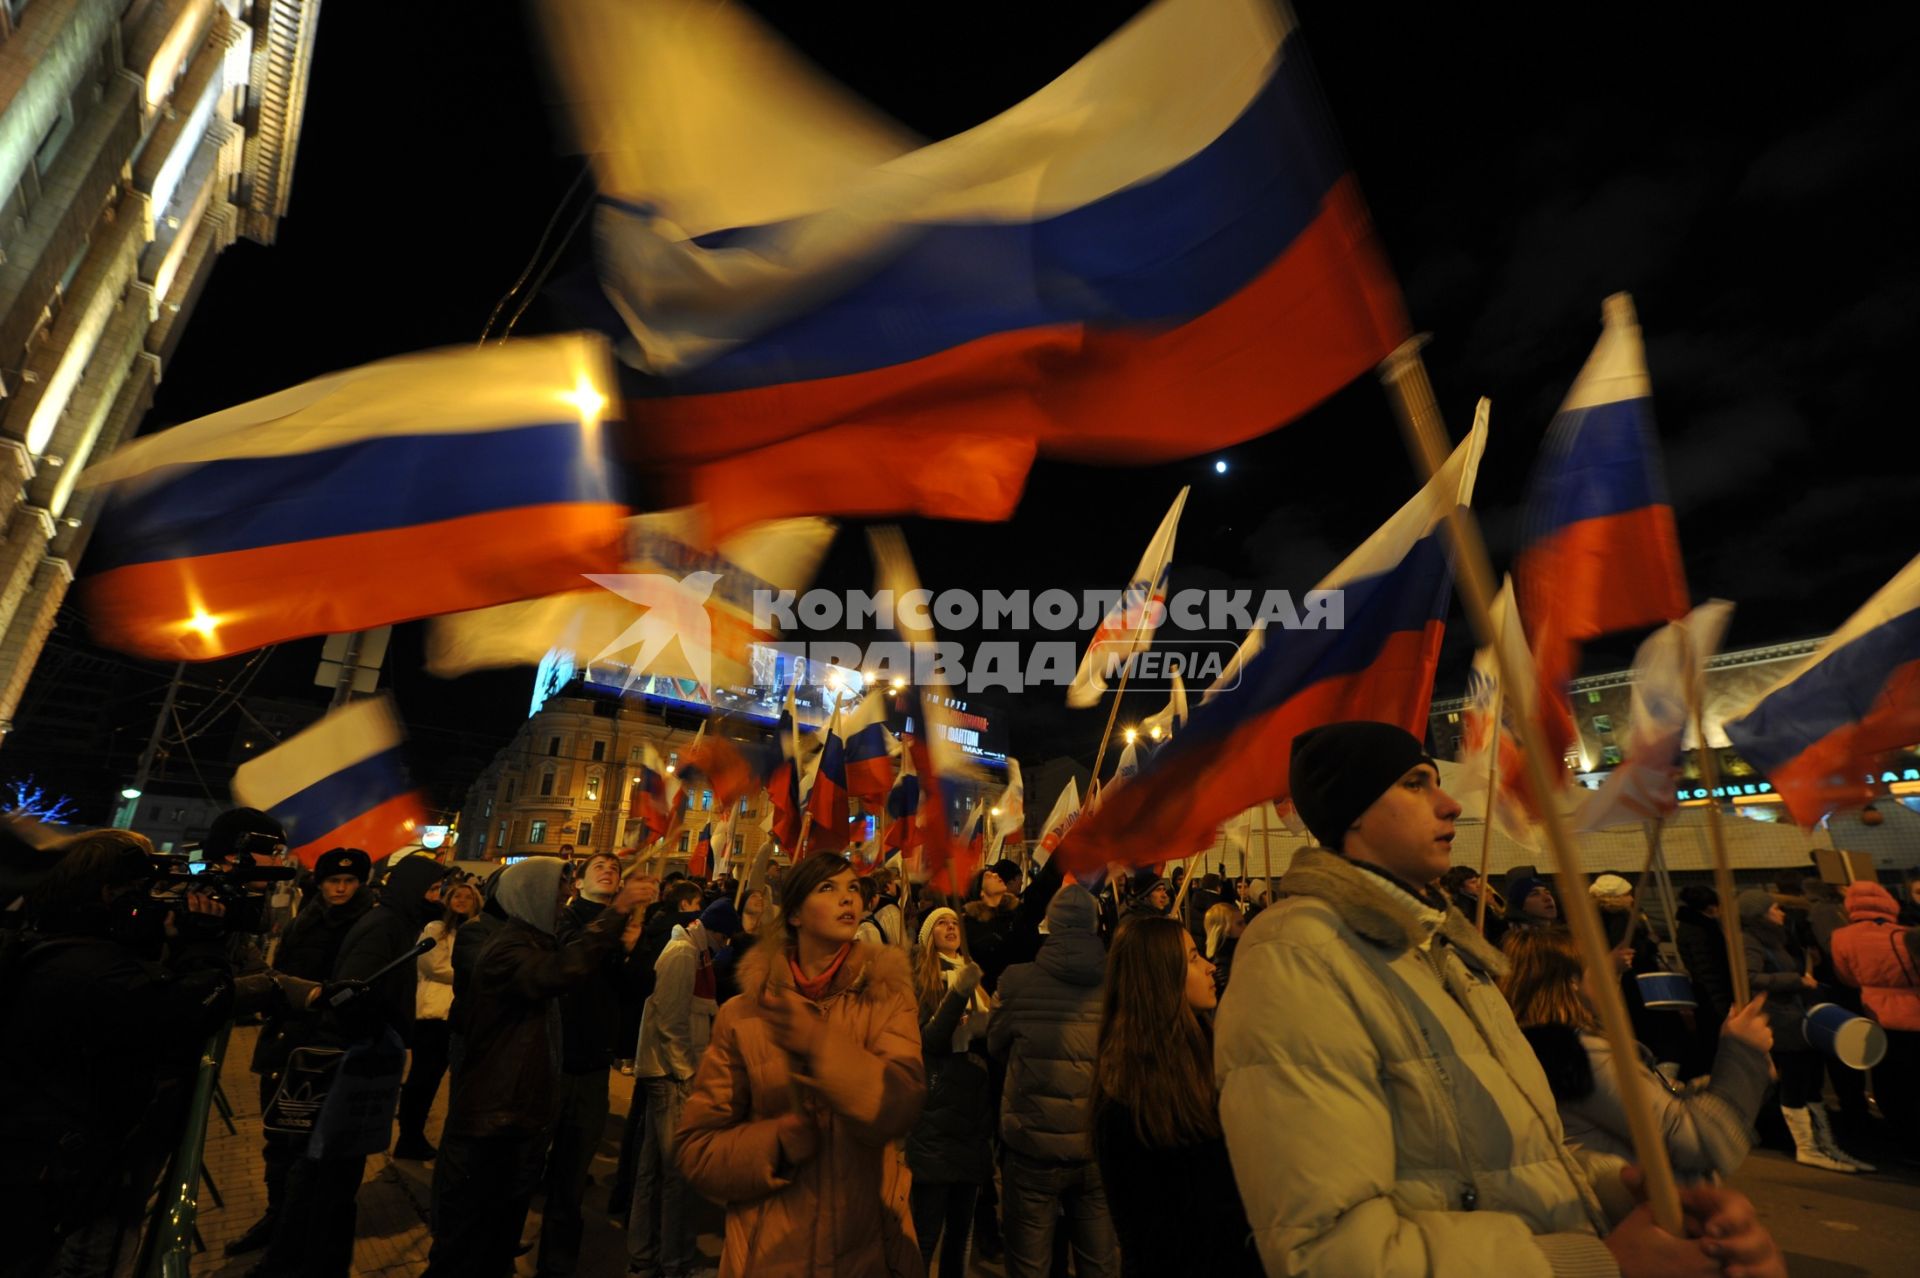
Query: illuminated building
[[567, 775], [138, 139]]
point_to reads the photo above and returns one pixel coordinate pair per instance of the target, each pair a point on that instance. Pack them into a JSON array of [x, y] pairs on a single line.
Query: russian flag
[[1160, 253], [827, 795], [425, 484], [903, 805], [871, 750], [1380, 665], [1818, 733], [1599, 549], [341, 783], [702, 856], [651, 803]]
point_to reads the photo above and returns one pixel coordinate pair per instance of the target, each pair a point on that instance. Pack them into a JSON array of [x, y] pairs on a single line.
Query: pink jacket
[[1871, 954]]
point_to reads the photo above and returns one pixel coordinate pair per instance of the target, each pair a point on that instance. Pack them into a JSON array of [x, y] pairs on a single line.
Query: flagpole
[[1100, 756], [1493, 795], [1654, 830], [1405, 378], [1716, 837], [1266, 848]]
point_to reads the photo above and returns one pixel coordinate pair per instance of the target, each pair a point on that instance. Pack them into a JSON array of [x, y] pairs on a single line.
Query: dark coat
[[1774, 970], [1704, 950], [1176, 1210], [951, 1144], [468, 943], [308, 949], [997, 939], [380, 936], [1048, 1028], [507, 1080], [1222, 961], [590, 1013]]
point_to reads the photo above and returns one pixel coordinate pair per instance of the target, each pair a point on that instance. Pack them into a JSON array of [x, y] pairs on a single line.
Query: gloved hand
[[340, 993], [967, 980]]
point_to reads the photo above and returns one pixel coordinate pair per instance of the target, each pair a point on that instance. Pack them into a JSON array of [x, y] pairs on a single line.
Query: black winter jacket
[[590, 1012], [1048, 1028], [308, 949], [951, 1144], [1703, 948], [1175, 1209], [380, 936]]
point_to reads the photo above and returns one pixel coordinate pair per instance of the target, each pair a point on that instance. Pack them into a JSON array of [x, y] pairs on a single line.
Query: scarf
[[816, 989]]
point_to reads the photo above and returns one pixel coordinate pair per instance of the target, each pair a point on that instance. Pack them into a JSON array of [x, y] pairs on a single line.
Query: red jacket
[[1871, 953]]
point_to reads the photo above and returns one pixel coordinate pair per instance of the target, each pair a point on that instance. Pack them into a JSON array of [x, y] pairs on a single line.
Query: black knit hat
[[343, 861], [1339, 769], [241, 829]]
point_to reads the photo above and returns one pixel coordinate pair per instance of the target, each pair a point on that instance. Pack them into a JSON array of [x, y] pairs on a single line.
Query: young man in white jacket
[[1383, 1112]]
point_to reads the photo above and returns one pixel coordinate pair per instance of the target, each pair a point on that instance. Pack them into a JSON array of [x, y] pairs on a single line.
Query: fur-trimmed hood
[[1367, 905], [979, 911], [870, 972]]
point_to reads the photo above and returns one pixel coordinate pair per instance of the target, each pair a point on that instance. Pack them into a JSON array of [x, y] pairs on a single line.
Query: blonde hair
[[1218, 921], [930, 977]]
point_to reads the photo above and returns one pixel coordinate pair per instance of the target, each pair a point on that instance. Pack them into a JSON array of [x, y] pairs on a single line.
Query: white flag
[[1012, 821], [1160, 725], [1066, 809], [1129, 625], [1641, 787]]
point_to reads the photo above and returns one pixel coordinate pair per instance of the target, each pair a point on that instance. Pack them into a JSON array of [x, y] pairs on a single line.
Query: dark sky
[[1734, 173]]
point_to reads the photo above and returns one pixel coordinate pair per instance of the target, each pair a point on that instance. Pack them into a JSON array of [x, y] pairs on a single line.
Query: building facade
[[138, 139]]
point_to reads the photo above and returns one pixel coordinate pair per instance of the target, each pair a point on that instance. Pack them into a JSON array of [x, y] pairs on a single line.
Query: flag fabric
[[903, 804], [700, 860], [1229, 677], [340, 783], [652, 801], [1160, 725], [1129, 762], [1012, 821], [722, 839], [827, 793], [1491, 708], [1599, 550], [1820, 731], [1672, 660], [872, 751], [1065, 809], [1234, 753], [797, 282], [1129, 625], [783, 782], [673, 609], [420, 485]]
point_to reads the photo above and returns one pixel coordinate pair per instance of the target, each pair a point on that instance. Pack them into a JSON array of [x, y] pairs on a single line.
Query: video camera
[[243, 889]]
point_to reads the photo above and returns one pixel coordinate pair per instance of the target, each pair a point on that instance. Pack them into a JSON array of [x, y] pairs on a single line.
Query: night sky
[[1737, 179]]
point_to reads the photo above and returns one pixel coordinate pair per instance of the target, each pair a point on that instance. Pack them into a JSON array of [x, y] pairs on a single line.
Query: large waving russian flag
[[341, 783], [1818, 732], [1380, 665], [827, 795], [420, 485], [1159, 253], [1599, 549], [872, 751]]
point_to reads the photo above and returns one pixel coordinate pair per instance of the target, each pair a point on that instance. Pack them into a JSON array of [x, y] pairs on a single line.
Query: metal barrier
[[170, 1231]]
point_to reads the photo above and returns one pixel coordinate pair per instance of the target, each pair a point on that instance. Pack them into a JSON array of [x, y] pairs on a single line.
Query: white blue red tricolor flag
[[1129, 625], [341, 783], [1818, 733], [419, 485], [1160, 253], [1379, 665]]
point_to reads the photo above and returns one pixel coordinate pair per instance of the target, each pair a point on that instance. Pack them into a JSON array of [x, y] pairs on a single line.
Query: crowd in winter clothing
[[1389, 1068]]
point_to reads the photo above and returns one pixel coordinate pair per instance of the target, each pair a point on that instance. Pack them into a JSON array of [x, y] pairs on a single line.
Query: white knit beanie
[[1611, 885], [926, 924]]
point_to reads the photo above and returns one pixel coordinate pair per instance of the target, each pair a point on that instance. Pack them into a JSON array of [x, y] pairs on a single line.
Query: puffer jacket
[[1707, 1130], [1772, 970], [433, 981], [1383, 1112], [1047, 1026], [1874, 954], [842, 1212]]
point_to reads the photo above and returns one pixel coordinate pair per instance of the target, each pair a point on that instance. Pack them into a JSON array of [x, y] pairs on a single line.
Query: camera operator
[[238, 838], [313, 1235], [307, 950], [106, 1004]]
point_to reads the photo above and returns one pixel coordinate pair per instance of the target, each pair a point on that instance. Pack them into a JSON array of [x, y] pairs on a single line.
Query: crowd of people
[[1379, 1071]]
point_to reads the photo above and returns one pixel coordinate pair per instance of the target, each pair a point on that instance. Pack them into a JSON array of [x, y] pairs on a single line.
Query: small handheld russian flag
[[341, 783]]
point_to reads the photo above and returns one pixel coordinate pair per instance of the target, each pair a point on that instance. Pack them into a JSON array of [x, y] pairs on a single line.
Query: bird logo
[[674, 610]]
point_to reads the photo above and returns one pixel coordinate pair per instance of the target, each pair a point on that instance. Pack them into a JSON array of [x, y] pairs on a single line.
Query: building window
[[508, 796], [633, 755], [593, 788], [684, 837], [1603, 724], [586, 834], [599, 751], [739, 844], [743, 807], [706, 800], [546, 783], [482, 849], [1593, 698], [537, 832], [504, 827], [1610, 756], [553, 747], [488, 812]]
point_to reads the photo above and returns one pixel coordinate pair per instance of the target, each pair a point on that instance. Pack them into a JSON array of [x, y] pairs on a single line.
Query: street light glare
[[1130, 734]]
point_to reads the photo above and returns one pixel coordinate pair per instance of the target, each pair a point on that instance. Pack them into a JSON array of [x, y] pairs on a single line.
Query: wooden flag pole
[[1654, 830], [1716, 837], [1266, 849], [1100, 755], [1493, 797], [1405, 377]]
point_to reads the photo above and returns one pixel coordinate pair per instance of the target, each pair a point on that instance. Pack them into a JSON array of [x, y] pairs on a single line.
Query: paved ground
[[1831, 1226]]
